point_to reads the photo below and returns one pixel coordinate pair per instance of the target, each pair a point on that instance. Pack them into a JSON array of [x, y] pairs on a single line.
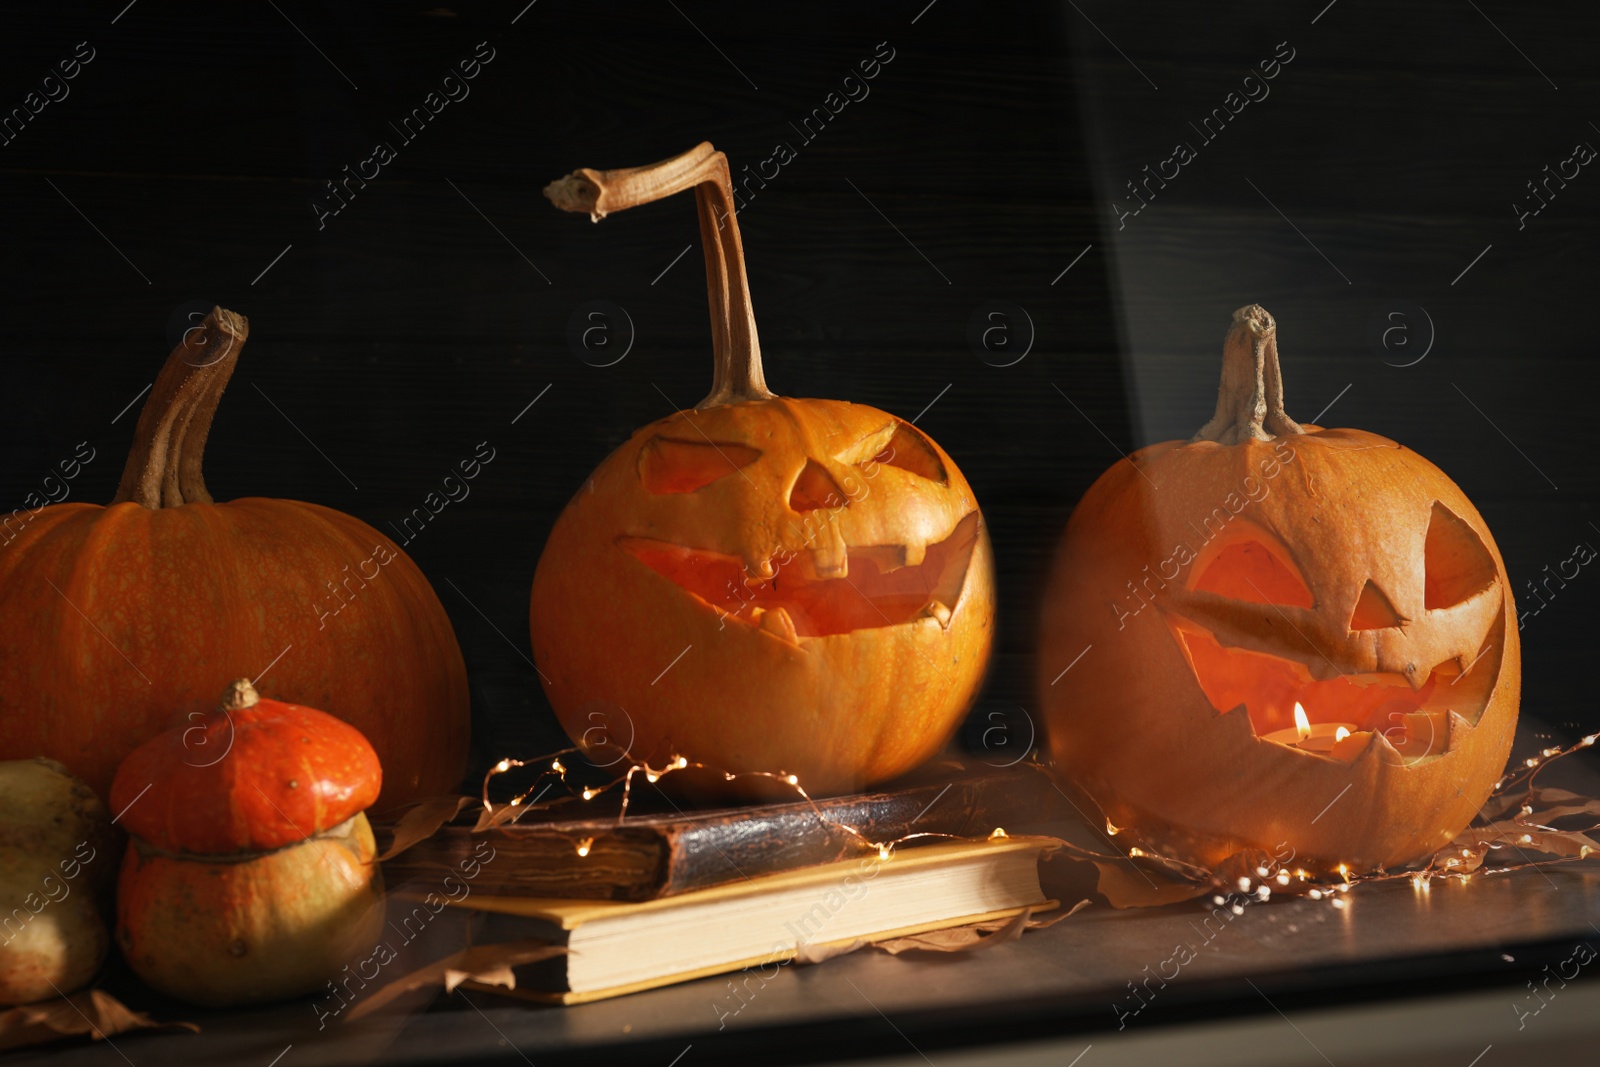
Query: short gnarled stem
[[163, 468], [1250, 398], [738, 375], [239, 695]]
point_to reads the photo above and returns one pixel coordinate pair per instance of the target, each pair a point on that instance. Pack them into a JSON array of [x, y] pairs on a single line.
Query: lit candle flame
[[1341, 733], [1302, 725]]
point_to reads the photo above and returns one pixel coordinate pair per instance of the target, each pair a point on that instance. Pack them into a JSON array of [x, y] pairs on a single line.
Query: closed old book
[[760, 923], [650, 856]]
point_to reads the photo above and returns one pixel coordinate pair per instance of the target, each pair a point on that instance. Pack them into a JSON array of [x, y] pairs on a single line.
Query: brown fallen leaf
[[93, 1012], [422, 821], [976, 936], [1132, 884], [488, 964], [809, 954]]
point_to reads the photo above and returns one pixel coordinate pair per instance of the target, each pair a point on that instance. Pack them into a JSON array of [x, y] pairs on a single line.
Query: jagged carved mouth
[[1345, 714], [817, 593]]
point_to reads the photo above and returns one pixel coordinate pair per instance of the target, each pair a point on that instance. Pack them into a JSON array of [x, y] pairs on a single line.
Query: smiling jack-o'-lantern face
[[1228, 581], [765, 583]]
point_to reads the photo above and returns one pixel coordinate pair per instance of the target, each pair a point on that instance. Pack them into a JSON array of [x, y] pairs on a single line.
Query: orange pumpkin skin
[[837, 709], [251, 874], [191, 593], [116, 622], [760, 584], [1185, 668], [275, 925]]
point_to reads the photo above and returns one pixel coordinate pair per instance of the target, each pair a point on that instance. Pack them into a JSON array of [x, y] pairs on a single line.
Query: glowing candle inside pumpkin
[[1322, 737]]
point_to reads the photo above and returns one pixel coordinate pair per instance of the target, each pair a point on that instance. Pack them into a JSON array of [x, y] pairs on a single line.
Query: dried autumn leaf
[[488, 964], [93, 1012], [1555, 842], [977, 935], [809, 954], [1132, 884], [422, 821]]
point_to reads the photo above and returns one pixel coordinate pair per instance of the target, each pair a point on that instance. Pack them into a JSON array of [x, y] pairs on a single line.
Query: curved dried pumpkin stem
[[1250, 398], [738, 375], [163, 468]]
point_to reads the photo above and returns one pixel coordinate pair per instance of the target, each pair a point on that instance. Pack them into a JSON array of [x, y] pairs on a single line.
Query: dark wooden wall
[[427, 314]]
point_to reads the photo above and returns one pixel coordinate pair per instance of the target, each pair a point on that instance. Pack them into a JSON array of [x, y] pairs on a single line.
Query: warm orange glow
[[1341, 733], [874, 585], [1302, 724]]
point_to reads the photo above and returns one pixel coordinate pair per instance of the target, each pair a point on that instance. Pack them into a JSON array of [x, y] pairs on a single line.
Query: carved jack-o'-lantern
[[761, 583], [1288, 635]]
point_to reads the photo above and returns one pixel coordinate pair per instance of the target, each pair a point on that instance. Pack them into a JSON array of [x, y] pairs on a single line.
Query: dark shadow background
[[989, 163], [411, 326]]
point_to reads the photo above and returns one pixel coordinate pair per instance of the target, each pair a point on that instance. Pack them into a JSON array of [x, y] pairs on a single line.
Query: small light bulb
[[585, 845], [792, 780], [555, 765], [588, 794], [883, 852], [998, 831], [503, 766], [651, 776]]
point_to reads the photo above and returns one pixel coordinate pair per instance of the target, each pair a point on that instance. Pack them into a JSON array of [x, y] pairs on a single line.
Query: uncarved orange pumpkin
[[761, 583], [114, 621], [252, 877], [1210, 586]]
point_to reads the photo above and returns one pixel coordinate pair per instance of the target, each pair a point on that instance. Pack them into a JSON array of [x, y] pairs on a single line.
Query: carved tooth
[[1381, 750], [915, 552], [831, 559], [1459, 728], [760, 568], [776, 621], [937, 610], [1417, 678]]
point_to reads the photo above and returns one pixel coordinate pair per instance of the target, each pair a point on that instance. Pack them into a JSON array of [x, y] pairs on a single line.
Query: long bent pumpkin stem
[[1250, 398], [163, 468], [738, 375]]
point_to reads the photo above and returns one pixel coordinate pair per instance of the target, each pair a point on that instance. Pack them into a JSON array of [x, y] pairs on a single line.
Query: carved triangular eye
[[1252, 567], [815, 488], [1373, 610], [671, 465], [1456, 561], [898, 445]]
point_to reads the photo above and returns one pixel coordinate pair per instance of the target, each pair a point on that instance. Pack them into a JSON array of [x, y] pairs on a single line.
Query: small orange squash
[[251, 876], [761, 583], [1212, 587], [116, 620]]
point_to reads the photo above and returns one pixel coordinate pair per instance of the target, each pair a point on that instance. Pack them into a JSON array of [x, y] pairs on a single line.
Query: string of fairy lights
[[1458, 861], [551, 765]]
